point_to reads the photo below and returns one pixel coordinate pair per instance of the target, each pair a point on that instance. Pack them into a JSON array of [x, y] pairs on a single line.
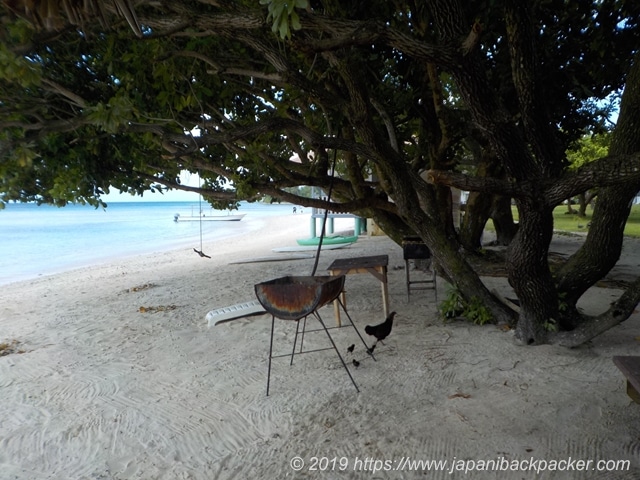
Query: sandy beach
[[114, 373]]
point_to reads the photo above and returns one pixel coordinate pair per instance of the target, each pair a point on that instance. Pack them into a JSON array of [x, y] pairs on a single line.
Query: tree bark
[[582, 205], [529, 274], [447, 255], [619, 312], [478, 211], [603, 245], [481, 206], [502, 217]]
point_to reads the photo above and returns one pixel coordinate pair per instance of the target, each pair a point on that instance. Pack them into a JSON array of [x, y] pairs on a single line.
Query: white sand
[[104, 391]]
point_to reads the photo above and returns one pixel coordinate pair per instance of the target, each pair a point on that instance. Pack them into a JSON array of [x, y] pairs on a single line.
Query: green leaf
[[284, 30], [283, 16], [109, 117], [25, 155], [295, 21]]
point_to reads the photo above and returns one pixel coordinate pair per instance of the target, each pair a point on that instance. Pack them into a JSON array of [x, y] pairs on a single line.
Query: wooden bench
[[630, 367]]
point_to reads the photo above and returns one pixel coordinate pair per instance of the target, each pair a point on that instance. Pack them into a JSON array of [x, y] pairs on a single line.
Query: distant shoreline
[[50, 240], [256, 227]]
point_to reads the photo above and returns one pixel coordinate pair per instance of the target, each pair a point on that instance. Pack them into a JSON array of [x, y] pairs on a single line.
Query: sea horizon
[[44, 240]]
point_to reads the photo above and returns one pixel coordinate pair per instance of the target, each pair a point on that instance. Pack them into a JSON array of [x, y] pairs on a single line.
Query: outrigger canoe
[[332, 240]]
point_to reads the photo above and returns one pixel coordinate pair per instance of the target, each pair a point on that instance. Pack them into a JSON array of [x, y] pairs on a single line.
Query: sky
[[186, 178], [171, 196]]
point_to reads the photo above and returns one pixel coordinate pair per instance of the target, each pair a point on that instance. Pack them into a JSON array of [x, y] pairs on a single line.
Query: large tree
[[406, 99]]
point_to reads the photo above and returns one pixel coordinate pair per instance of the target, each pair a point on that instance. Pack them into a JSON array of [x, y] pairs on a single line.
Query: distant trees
[[405, 99], [588, 148]]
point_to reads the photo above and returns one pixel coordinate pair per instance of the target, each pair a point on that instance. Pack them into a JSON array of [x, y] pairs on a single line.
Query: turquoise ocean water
[[42, 240]]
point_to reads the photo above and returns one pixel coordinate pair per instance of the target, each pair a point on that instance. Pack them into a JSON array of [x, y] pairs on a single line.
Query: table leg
[[336, 311], [336, 304], [385, 292]]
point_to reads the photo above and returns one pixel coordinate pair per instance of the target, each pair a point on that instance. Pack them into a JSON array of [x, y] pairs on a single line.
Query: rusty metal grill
[[295, 298], [292, 298]]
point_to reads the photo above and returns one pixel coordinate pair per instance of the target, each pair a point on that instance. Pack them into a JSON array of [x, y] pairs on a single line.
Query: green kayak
[[333, 240]]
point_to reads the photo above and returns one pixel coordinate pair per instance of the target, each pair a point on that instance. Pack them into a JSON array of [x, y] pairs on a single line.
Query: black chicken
[[380, 331]]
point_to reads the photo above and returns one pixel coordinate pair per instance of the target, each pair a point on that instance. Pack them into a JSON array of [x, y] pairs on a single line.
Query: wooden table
[[375, 265]]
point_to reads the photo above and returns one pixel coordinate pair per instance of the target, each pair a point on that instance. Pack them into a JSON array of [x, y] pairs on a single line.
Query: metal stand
[[410, 282], [415, 249], [326, 330]]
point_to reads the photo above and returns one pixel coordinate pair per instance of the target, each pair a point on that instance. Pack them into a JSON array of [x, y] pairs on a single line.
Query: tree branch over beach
[[410, 99]]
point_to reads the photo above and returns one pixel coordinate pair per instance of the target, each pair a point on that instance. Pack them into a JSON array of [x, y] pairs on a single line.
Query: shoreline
[[259, 225], [46, 240], [98, 387]]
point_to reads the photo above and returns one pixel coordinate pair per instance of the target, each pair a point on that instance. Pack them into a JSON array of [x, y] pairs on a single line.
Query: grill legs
[[326, 330]]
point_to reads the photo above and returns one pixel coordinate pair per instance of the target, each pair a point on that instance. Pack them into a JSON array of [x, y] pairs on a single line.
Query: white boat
[[208, 218]]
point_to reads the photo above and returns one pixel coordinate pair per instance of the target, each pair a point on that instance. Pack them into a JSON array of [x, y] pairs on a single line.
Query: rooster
[[380, 331]]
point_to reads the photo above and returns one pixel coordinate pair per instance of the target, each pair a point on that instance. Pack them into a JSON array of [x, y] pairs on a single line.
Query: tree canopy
[[408, 99]]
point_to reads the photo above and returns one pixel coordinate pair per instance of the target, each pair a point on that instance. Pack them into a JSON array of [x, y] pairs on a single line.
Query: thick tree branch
[[41, 129], [346, 33], [524, 62], [342, 207], [473, 39], [386, 119], [57, 88], [49, 15], [480, 184], [218, 69], [483, 102], [619, 311], [605, 172], [211, 24], [221, 195], [191, 144], [603, 245]]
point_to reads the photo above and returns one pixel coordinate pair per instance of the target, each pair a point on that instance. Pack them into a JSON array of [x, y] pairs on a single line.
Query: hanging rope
[[200, 252], [326, 213]]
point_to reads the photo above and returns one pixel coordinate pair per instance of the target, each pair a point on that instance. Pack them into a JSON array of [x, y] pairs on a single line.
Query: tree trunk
[[582, 205], [601, 249], [618, 313], [455, 267], [570, 210], [603, 245], [502, 217], [529, 274], [445, 249], [477, 213], [482, 206]]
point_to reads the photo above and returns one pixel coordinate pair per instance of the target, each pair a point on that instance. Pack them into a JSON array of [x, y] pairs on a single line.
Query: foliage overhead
[[589, 148], [260, 97]]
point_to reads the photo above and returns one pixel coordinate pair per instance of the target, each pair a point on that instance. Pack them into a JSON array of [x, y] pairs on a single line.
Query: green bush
[[456, 306]]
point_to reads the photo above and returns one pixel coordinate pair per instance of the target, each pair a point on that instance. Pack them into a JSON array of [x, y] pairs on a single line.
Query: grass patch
[[566, 222]]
